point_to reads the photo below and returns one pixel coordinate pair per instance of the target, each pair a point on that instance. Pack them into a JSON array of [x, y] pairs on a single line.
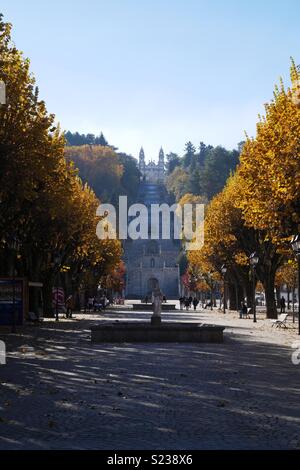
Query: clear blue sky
[[157, 72]]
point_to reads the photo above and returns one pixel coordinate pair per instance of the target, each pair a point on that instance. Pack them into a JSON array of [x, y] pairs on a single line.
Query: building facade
[[152, 172], [151, 263]]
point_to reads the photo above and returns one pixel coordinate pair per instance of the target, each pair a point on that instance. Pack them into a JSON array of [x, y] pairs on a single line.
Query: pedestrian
[[244, 310], [187, 304], [195, 303], [91, 302], [69, 306], [282, 305], [86, 300]]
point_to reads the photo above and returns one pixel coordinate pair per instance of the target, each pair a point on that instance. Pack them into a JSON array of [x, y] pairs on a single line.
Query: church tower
[[142, 161], [161, 158], [161, 165]]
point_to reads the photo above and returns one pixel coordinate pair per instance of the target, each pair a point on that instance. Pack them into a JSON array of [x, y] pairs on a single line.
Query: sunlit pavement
[[58, 391]]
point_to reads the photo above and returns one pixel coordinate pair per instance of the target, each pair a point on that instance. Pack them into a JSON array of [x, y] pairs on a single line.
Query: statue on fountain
[[157, 298]]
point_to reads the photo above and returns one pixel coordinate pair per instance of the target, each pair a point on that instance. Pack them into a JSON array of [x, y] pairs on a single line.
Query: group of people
[[97, 304], [244, 308], [188, 302], [147, 299], [92, 304]]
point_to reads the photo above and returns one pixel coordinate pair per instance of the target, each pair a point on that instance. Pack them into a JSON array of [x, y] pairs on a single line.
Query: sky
[[157, 73]]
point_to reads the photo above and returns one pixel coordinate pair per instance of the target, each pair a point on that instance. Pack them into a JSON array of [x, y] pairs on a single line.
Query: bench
[[34, 318], [281, 321]]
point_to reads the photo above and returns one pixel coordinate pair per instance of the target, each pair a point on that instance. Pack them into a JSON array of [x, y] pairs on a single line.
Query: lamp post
[[211, 289], [14, 245], [224, 271], [296, 248], [57, 262], [253, 260]]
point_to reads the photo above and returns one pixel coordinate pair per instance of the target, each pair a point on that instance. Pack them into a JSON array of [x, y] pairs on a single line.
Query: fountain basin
[[166, 332]]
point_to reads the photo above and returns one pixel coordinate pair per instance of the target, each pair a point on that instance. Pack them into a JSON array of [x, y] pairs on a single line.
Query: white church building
[[152, 172]]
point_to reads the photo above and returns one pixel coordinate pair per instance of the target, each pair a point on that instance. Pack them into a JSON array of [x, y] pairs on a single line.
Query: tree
[[228, 240], [218, 166], [188, 158], [90, 139], [44, 205], [130, 178], [177, 182], [115, 281], [270, 166], [100, 167], [194, 185], [76, 139], [173, 161], [101, 140]]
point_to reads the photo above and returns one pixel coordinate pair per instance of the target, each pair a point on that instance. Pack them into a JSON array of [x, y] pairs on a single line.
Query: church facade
[[152, 172]]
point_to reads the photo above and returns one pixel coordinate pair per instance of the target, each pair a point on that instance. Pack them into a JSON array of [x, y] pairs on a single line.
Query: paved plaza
[[59, 391]]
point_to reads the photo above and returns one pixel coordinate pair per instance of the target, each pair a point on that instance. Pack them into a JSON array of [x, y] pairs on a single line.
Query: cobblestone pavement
[[58, 391]]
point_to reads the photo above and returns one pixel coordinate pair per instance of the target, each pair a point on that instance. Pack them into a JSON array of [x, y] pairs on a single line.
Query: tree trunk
[[34, 261], [249, 294], [47, 296], [269, 286], [235, 296], [293, 300], [278, 296]]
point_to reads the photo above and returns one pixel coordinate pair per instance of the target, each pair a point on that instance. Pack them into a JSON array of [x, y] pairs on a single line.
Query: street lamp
[[253, 260], [296, 248], [57, 262], [14, 245], [224, 271], [211, 289]]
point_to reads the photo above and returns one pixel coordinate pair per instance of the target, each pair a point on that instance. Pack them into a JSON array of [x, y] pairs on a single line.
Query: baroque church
[[151, 263], [152, 172]]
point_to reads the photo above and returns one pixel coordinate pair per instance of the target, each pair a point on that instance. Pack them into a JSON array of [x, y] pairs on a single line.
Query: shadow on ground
[[59, 391]]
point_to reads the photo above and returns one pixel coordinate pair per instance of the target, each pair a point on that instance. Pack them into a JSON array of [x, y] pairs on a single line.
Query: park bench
[[281, 320], [34, 318]]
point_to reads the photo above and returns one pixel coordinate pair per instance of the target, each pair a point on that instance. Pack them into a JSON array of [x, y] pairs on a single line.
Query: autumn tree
[[270, 167], [45, 207], [228, 240]]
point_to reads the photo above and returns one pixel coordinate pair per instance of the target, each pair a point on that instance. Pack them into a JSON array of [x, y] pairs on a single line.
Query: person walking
[[187, 304], [195, 303], [181, 303], [69, 306], [243, 311], [91, 301], [282, 305]]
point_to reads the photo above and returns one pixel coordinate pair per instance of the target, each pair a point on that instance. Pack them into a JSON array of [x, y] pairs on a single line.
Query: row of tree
[[203, 172], [77, 139], [109, 173], [259, 208], [47, 214]]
